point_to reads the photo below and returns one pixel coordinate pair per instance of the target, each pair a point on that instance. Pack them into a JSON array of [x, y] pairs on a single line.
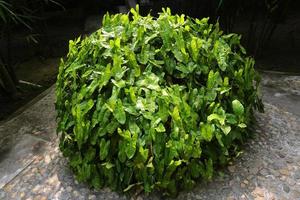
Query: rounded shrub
[[154, 103]]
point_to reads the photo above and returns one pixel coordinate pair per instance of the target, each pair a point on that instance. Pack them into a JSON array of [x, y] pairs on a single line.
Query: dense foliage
[[154, 103]]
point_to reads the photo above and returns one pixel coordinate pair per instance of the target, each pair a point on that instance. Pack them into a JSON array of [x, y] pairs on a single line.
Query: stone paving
[[268, 168], [25, 135]]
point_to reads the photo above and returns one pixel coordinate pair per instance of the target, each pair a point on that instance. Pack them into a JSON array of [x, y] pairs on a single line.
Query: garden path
[[269, 167]]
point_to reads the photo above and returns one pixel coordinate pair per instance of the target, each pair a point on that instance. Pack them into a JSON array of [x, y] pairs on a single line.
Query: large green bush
[[154, 103]]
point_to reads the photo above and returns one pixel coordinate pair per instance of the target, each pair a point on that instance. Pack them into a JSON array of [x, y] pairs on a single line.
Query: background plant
[[263, 18], [8, 79], [154, 103], [13, 15]]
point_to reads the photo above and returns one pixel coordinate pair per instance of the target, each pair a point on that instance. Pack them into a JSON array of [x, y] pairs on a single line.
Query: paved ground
[[269, 168]]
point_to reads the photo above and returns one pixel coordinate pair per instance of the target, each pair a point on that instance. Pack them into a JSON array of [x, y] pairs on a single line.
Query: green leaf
[[144, 153], [221, 51], [150, 81], [144, 56], [132, 94], [237, 107], [207, 131], [105, 76], [117, 71], [231, 118], [125, 134], [213, 80], [219, 118], [242, 125], [121, 152], [219, 138], [209, 169], [90, 154], [104, 148], [112, 126], [86, 106], [226, 129], [195, 49], [130, 149], [131, 186], [160, 128], [119, 112], [133, 127], [108, 165], [120, 84], [172, 167], [178, 55], [175, 114], [133, 62]]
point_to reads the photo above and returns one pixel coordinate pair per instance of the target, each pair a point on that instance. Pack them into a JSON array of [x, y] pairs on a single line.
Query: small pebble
[[283, 178], [22, 195], [69, 188], [286, 188], [264, 172], [253, 170], [295, 194], [92, 197], [258, 193], [40, 197], [291, 182], [76, 193], [47, 159], [231, 169], [297, 174], [284, 172]]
